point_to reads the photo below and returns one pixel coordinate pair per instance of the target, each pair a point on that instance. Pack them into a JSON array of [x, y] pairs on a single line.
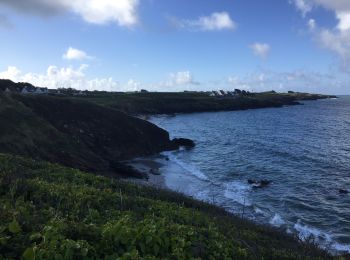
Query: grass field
[[52, 212], [187, 102]]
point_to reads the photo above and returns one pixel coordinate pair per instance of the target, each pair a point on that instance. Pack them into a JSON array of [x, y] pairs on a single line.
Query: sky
[[167, 45]]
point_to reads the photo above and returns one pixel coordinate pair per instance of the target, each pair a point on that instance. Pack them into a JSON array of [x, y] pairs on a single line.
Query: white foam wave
[[187, 167], [259, 211], [238, 192], [277, 220], [323, 238], [341, 247], [306, 232]]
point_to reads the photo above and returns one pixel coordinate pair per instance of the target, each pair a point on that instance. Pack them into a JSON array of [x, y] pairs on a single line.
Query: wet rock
[[128, 170], [259, 184], [154, 171], [187, 143]]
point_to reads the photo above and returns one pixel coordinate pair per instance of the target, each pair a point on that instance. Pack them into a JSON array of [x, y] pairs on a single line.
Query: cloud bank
[[297, 80], [65, 77], [70, 77], [122, 12], [336, 40]]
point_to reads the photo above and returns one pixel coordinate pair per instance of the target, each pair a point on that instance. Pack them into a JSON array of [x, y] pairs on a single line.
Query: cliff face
[[76, 133]]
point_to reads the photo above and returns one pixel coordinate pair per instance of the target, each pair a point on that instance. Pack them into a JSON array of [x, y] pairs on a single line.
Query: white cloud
[[66, 77], [181, 78], [298, 80], [75, 54], [134, 85], [260, 49], [335, 5], [177, 81], [104, 11], [339, 43], [312, 24], [344, 21], [11, 73], [122, 12], [336, 40], [303, 5], [70, 77], [217, 21]]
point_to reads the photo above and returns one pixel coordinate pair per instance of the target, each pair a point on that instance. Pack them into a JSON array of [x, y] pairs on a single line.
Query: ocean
[[303, 150]]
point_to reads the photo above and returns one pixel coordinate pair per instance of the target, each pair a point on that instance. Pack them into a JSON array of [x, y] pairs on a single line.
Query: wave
[[277, 220], [238, 192], [187, 167], [306, 232], [259, 211]]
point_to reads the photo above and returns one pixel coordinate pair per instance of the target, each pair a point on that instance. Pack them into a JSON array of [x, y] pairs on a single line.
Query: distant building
[[226, 94]]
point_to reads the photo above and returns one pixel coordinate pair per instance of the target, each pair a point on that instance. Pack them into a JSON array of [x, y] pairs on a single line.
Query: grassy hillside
[[52, 212], [187, 102], [75, 133]]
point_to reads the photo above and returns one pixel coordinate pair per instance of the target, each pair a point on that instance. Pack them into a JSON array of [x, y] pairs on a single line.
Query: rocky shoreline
[[150, 167]]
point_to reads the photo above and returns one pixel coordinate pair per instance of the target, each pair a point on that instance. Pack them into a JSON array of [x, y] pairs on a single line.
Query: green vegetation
[[49, 211], [75, 133], [188, 102], [52, 212]]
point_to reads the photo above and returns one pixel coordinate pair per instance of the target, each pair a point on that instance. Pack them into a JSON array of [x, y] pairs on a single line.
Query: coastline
[[151, 168], [238, 191], [146, 165]]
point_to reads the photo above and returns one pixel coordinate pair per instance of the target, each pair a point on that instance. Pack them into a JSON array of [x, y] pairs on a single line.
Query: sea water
[[304, 150]]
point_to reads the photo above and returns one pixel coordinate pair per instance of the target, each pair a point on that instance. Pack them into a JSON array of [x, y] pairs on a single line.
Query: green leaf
[[2, 229], [14, 227], [35, 236], [84, 251], [29, 254], [3, 240]]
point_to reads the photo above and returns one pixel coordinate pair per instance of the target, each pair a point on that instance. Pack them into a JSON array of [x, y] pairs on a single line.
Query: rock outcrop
[[183, 142]]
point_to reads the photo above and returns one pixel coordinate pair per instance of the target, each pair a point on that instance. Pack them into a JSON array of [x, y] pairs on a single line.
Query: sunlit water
[[303, 150]]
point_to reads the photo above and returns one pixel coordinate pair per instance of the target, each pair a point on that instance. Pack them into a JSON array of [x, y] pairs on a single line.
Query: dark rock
[[259, 184], [252, 181], [128, 171], [154, 171], [187, 143], [265, 182]]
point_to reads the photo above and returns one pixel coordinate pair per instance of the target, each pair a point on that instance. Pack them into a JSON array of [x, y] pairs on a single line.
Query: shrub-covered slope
[[51, 212], [189, 102], [78, 134]]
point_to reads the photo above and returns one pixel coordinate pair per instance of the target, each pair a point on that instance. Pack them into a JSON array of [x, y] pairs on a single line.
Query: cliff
[[77, 134]]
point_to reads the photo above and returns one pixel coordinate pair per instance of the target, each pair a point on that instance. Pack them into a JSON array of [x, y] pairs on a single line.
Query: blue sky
[[168, 45]]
